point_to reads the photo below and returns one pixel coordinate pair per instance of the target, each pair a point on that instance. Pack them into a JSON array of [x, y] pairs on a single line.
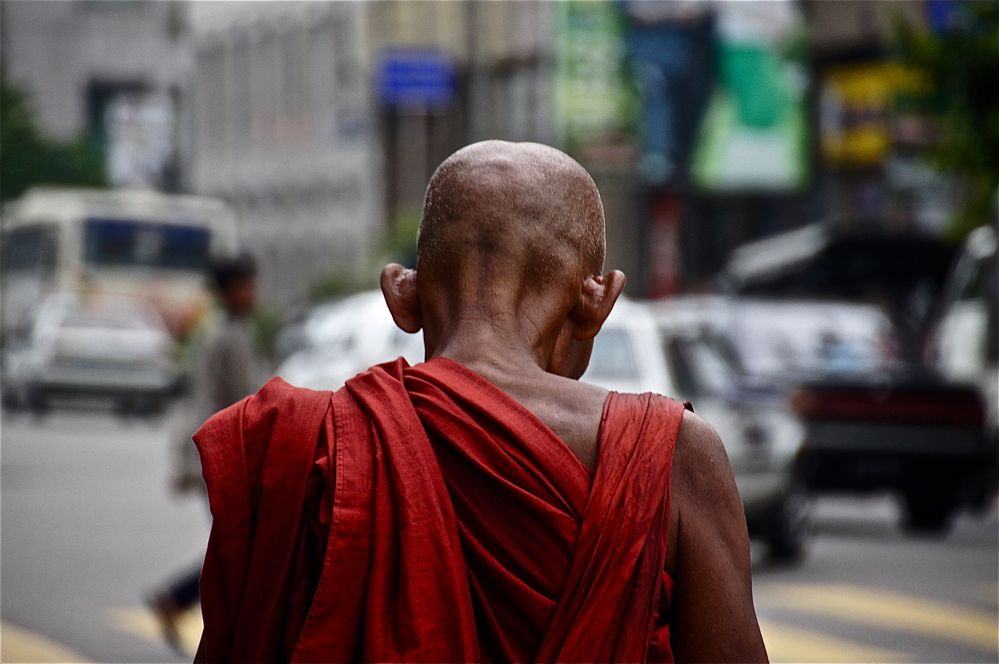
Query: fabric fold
[[421, 514]]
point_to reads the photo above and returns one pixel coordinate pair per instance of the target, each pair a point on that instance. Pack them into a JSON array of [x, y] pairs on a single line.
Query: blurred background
[[803, 194]]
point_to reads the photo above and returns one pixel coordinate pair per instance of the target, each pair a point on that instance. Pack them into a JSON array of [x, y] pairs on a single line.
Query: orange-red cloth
[[421, 514]]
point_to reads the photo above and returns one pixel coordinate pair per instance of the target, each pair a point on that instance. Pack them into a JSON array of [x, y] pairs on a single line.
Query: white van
[[111, 242]]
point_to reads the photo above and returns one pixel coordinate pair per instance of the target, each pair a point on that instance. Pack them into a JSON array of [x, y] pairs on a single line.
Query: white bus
[[111, 243]]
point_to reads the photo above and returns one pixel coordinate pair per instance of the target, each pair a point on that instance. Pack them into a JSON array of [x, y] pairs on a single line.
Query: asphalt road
[[87, 527]]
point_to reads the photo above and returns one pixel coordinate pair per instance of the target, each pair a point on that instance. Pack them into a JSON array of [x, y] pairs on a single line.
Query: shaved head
[[521, 212], [511, 250]]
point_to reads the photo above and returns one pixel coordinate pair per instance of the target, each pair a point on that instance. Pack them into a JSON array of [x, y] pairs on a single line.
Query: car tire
[[151, 408], [790, 529], [37, 401], [11, 401], [928, 513]]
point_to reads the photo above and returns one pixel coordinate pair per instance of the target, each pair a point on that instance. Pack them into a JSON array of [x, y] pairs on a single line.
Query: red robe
[[421, 514]]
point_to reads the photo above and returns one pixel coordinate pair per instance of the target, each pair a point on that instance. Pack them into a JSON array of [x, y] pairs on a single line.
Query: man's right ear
[[399, 288]]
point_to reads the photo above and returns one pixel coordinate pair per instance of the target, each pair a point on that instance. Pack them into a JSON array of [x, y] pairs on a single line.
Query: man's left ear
[[399, 288], [596, 300]]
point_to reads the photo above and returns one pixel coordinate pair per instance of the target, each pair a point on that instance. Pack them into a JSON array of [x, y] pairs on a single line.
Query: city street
[[88, 527]]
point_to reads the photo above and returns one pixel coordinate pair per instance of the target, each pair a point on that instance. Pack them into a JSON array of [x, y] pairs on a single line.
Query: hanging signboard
[[416, 79]]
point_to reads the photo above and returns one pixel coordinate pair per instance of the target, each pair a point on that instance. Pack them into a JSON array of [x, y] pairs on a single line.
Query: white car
[[872, 423], [119, 349], [964, 345], [344, 338], [662, 350]]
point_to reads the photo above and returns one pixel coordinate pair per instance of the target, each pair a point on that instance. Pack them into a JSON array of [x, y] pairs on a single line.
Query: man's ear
[[596, 300], [399, 288]]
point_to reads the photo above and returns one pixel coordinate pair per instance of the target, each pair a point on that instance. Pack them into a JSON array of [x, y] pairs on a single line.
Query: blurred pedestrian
[[485, 504], [225, 369]]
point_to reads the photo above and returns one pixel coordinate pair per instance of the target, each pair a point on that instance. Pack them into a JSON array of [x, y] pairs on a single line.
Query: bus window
[[127, 243], [29, 249]]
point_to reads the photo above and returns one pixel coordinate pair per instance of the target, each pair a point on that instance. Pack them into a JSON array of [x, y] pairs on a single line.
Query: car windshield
[[809, 343], [700, 367], [116, 242], [613, 357]]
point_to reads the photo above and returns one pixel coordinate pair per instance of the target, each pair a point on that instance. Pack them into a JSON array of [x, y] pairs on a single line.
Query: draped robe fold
[[421, 514]]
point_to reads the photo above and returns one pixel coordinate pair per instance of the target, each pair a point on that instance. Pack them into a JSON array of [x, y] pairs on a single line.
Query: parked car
[[965, 341], [340, 339], [346, 337], [851, 261], [873, 422], [964, 345], [119, 349], [762, 437]]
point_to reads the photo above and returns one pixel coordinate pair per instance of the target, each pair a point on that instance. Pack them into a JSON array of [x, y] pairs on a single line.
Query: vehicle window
[[104, 321], [613, 357], [724, 346], [29, 249], [679, 369], [129, 243], [711, 370], [699, 368], [974, 289], [765, 352]]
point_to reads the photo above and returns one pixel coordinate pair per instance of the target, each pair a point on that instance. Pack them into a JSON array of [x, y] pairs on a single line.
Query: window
[[293, 77], [211, 90], [320, 70], [344, 60], [700, 368], [127, 243], [241, 101], [29, 249]]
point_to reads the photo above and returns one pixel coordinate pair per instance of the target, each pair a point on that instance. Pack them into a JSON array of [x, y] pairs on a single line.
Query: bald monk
[[484, 505]]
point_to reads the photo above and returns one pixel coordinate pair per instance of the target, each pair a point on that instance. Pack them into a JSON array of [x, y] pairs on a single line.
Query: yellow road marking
[[891, 610], [142, 623], [794, 644], [21, 645]]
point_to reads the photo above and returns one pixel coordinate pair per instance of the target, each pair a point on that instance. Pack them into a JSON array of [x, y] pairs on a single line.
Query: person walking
[[224, 370]]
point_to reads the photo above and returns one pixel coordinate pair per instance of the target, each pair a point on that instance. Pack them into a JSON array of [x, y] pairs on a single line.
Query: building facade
[[303, 116], [281, 125], [121, 93]]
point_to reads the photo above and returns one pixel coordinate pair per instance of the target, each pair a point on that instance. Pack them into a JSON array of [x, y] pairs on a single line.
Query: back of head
[[513, 215], [226, 271], [234, 281]]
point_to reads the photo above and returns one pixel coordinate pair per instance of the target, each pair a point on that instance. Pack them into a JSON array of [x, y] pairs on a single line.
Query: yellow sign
[[856, 106]]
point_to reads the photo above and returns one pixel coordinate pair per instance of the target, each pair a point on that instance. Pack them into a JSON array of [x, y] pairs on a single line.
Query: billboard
[[592, 98], [754, 132], [860, 114]]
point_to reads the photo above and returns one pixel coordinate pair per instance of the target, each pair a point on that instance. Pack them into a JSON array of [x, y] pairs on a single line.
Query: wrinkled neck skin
[[499, 332]]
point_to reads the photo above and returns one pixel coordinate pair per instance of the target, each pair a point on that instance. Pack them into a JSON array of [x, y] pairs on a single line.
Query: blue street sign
[[416, 79]]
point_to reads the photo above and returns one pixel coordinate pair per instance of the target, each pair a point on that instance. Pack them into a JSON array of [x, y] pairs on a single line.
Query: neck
[[490, 345]]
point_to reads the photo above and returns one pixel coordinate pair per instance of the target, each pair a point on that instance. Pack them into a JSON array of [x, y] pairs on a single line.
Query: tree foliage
[[962, 61], [29, 158]]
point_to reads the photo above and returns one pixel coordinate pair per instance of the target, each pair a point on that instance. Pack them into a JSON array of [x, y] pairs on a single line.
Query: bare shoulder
[[701, 466], [704, 493], [712, 614]]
